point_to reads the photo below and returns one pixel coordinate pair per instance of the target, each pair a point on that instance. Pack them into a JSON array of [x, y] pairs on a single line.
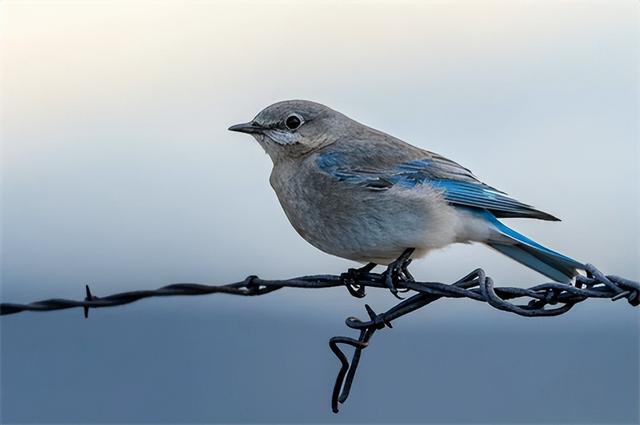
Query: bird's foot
[[351, 279], [398, 271]]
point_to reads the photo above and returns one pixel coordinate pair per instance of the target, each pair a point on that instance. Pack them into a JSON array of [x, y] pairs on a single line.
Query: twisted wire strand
[[476, 286]]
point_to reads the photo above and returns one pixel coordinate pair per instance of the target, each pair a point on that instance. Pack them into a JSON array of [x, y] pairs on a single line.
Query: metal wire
[[476, 286]]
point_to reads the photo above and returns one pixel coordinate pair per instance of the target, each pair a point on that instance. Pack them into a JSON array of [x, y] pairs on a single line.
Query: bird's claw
[[351, 279], [397, 272]]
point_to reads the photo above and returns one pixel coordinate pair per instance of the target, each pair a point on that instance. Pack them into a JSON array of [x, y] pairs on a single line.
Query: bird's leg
[[398, 271], [351, 279]]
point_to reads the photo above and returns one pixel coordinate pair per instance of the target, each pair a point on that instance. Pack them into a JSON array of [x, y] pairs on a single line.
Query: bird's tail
[[552, 264]]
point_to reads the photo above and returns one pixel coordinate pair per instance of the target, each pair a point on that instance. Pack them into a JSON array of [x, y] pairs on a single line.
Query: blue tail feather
[[552, 264]]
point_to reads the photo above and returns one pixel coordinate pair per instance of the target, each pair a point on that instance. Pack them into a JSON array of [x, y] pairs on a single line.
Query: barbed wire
[[476, 286]]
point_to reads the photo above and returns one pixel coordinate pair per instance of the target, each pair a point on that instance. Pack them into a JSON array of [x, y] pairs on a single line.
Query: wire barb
[[476, 286]]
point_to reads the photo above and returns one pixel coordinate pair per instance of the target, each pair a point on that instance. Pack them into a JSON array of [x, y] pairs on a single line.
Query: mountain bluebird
[[364, 195]]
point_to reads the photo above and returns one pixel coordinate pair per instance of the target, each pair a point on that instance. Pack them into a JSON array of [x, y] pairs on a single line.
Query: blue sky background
[[118, 171]]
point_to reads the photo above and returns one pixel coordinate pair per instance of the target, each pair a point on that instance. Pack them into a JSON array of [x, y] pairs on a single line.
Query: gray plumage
[[361, 194]]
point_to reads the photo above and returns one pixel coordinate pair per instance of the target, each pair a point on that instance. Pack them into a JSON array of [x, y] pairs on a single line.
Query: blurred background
[[118, 171]]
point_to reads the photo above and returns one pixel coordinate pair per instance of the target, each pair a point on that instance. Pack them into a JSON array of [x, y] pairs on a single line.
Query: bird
[[361, 194]]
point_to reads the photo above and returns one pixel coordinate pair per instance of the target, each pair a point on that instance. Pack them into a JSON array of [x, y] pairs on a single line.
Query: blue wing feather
[[459, 186]]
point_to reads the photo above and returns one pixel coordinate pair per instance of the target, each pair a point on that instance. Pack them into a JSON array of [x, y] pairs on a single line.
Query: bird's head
[[294, 128]]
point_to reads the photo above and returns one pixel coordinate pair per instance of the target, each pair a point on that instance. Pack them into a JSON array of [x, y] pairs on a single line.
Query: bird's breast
[[360, 224]]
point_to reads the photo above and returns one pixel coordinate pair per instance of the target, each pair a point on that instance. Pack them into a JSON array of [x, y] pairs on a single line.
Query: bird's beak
[[247, 127]]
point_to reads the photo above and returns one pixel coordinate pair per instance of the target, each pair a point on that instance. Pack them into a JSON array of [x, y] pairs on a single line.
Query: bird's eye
[[293, 121]]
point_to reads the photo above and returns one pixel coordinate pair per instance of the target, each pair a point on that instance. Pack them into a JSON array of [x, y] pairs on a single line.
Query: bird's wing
[[458, 185]]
